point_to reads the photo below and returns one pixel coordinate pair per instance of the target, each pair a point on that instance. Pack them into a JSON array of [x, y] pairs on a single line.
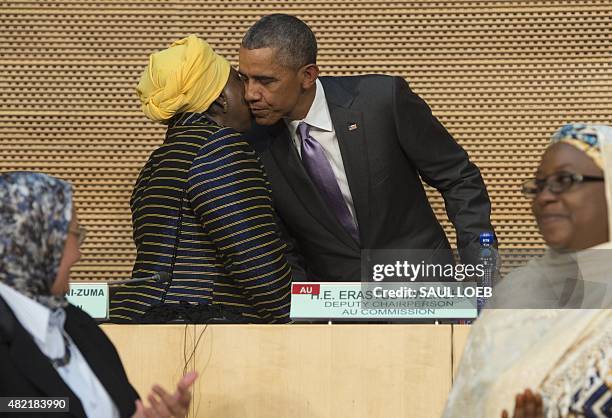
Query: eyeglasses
[[80, 232], [557, 183]]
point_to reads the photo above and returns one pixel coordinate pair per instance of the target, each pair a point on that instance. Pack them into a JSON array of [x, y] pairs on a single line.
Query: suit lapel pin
[[352, 127]]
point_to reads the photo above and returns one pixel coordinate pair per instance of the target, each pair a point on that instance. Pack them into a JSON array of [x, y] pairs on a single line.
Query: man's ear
[[310, 74]]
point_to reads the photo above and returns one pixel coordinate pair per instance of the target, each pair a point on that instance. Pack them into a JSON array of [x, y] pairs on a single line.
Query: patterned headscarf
[[587, 138], [35, 212]]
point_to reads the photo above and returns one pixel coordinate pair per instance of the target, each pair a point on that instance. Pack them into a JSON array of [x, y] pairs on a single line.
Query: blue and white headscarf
[[35, 212], [588, 138]]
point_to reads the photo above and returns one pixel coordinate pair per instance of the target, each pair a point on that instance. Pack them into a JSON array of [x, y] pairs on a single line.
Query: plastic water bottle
[[487, 259]]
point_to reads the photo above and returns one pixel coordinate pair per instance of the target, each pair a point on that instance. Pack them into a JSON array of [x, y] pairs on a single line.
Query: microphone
[[159, 277]]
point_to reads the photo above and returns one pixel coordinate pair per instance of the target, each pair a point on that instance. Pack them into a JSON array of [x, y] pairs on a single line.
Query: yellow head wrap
[[186, 77]]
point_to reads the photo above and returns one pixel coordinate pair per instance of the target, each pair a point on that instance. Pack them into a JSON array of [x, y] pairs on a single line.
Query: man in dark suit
[[345, 156]]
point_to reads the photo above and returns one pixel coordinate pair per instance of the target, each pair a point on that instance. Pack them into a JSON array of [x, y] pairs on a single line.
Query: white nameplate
[[382, 301], [90, 297]]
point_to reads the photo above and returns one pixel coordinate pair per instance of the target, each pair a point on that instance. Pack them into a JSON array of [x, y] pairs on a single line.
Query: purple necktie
[[320, 171]]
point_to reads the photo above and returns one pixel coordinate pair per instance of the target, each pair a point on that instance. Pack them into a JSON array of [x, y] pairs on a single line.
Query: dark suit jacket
[[389, 140], [26, 371]]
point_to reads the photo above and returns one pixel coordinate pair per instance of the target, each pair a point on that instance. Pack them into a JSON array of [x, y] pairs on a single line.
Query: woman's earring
[[225, 106]]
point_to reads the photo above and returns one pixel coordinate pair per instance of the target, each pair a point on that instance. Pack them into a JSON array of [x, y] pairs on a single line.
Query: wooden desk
[[296, 371], [460, 335]]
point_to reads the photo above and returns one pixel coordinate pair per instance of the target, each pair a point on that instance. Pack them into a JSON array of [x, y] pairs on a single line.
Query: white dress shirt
[[47, 329], [322, 129]]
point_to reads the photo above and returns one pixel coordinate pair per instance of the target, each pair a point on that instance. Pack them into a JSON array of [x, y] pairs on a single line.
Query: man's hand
[[526, 405], [164, 405]]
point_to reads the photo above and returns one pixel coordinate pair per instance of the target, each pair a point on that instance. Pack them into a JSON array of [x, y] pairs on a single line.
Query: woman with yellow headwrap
[[201, 207], [562, 349]]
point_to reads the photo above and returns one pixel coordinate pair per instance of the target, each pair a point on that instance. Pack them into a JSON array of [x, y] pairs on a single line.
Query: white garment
[[322, 129], [46, 328], [510, 350], [556, 352]]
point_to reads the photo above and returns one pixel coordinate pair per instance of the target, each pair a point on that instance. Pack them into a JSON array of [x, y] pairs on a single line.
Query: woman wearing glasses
[[49, 348], [563, 356]]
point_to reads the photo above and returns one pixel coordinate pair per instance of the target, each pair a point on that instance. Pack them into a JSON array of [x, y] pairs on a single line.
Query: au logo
[[305, 289]]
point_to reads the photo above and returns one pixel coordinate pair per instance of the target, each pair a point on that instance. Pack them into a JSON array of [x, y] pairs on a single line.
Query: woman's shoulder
[[79, 322], [196, 122], [534, 284], [198, 128], [88, 335], [7, 322], [75, 313]]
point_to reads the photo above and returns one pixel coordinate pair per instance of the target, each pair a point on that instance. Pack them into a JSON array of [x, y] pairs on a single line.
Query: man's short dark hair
[[296, 44]]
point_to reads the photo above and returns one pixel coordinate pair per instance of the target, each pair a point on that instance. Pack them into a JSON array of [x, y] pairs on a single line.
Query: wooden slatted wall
[[501, 75]]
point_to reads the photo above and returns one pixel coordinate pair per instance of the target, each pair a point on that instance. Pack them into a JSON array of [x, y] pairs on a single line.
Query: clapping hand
[[164, 405], [526, 405]]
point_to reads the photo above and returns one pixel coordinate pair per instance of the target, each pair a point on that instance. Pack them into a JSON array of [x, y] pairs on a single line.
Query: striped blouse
[[228, 252]]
